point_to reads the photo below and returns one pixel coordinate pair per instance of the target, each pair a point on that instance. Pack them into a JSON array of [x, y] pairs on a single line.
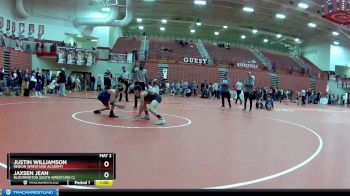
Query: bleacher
[[170, 50], [283, 61], [233, 55], [126, 44], [313, 68]]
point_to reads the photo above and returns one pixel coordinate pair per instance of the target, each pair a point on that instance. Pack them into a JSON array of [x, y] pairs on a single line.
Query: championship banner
[[13, 28], [21, 29], [41, 31], [71, 56], [31, 30], [61, 55], [80, 56], [332, 76], [1, 23], [8, 26], [129, 58], [90, 58], [118, 58], [165, 73]]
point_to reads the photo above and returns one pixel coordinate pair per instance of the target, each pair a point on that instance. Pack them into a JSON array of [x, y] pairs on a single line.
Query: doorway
[[84, 79]]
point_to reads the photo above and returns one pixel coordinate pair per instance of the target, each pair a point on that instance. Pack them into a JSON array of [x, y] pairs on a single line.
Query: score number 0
[[106, 164]]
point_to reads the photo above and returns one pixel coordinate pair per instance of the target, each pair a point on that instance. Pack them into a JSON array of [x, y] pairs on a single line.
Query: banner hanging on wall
[[21, 29], [89, 58], [1, 23], [13, 27], [70, 56], [31, 30], [41, 31], [61, 55], [8, 27], [80, 57]]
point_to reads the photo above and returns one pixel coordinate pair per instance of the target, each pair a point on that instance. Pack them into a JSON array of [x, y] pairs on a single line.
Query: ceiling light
[[248, 9], [225, 27], [243, 37], [199, 24], [335, 33], [193, 31], [164, 21], [280, 16], [94, 40], [216, 33], [106, 9], [312, 25], [139, 19], [200, 2], [255, 31], [297, 40], [336, 43], [162, 28], [266, 40], [141, 27], [278, 35], [80, 36], [303, 5]]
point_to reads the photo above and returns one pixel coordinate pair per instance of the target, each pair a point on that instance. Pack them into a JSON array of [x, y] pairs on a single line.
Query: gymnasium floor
[[201, 146]]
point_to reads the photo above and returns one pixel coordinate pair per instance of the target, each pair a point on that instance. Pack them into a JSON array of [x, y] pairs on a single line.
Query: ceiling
[[182, 16]]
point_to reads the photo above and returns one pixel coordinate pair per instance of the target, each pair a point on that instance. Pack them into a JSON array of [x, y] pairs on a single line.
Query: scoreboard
[[337, 11], [80, 169]]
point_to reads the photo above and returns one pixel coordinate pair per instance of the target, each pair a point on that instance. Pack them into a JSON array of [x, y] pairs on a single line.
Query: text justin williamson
[[39, 164]]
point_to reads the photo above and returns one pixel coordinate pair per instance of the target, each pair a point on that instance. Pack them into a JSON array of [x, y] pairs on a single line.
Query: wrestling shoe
[[160, 122], [146, 118], [112, 115], [97, 112]]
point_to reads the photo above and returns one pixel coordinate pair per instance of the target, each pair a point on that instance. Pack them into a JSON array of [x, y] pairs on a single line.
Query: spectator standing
[[99, 83], [248, 91], [14, 80], [26, 79], [2, 81], [225, 90], [216, 89], [140, 80], [82, 83], [92, 83], [126, 80], [38, 86], [20, 79], [62, 82], [108, 77], [195, 88], [239, 88], [303, 97]]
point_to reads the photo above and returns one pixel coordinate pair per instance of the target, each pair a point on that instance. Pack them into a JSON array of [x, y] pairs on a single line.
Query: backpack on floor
[[26, 92]]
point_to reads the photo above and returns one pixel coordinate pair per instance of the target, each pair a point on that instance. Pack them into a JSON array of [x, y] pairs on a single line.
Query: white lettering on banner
[[195, 60], [165, 73], [247, 65]]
